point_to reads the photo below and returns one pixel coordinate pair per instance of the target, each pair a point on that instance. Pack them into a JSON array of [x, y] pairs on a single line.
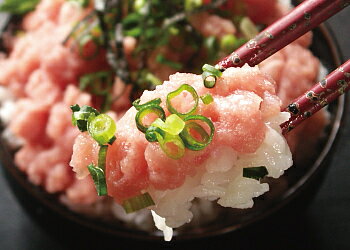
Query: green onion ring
[[189, 141], [209, 79], [151, 133], [146, 110], [102, 128], [211, 69], [172, 125], [138, 106], [171, 95], [174, 139]]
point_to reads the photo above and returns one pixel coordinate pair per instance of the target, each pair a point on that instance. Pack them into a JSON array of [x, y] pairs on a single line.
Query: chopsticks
[[302, 19], [319, 96]]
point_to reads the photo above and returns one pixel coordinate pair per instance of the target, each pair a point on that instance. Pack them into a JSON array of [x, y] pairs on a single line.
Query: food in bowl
[[58, 58]]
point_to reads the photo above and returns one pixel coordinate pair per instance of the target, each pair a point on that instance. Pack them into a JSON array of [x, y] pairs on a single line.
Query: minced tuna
[[42, 74]]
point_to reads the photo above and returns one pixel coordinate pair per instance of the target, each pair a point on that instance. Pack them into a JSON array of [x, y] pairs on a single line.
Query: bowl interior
[[283, 190]]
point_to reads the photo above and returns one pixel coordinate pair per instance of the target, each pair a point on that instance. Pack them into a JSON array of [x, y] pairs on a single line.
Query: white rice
[[221, 178]]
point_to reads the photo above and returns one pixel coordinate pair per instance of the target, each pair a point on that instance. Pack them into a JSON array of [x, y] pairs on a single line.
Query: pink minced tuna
[[43, 75], [243, 100]]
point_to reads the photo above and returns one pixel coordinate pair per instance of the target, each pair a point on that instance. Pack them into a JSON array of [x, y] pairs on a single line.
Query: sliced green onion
[[239, 42], [139, 4], [146, 110], [99, 179], [211, 69], [151, 133], [18, 7], [172, 125], [102, 128], [228, 43], [190, 5], [163, 60], [189, 140], [248, 28], [172, 145], [207, 99], [212, 47], [138, 202], [151, 78], [100, 83], [82, 3], [171, 95], [135, 32], [139, 106], [209, 80], [255, 172], [210, 75], [102, 153], [112, 140], [81, 115]]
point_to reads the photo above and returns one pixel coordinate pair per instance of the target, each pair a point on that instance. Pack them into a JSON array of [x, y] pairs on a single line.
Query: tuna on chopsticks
[[245, 113]]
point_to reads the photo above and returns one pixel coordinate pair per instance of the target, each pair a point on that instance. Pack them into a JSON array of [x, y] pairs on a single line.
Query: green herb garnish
[[99, 179], [99, 84], [207, 99], [178, 131], [82, 3], [145, 111], [210, 75], [194, 136], [102, 128], [81, 116], [138, 202], [175, 93], [163, 60], [255, 172], [18, 7], [139, 106]]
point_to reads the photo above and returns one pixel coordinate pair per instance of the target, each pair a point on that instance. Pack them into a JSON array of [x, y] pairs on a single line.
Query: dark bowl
[[289, 194]]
